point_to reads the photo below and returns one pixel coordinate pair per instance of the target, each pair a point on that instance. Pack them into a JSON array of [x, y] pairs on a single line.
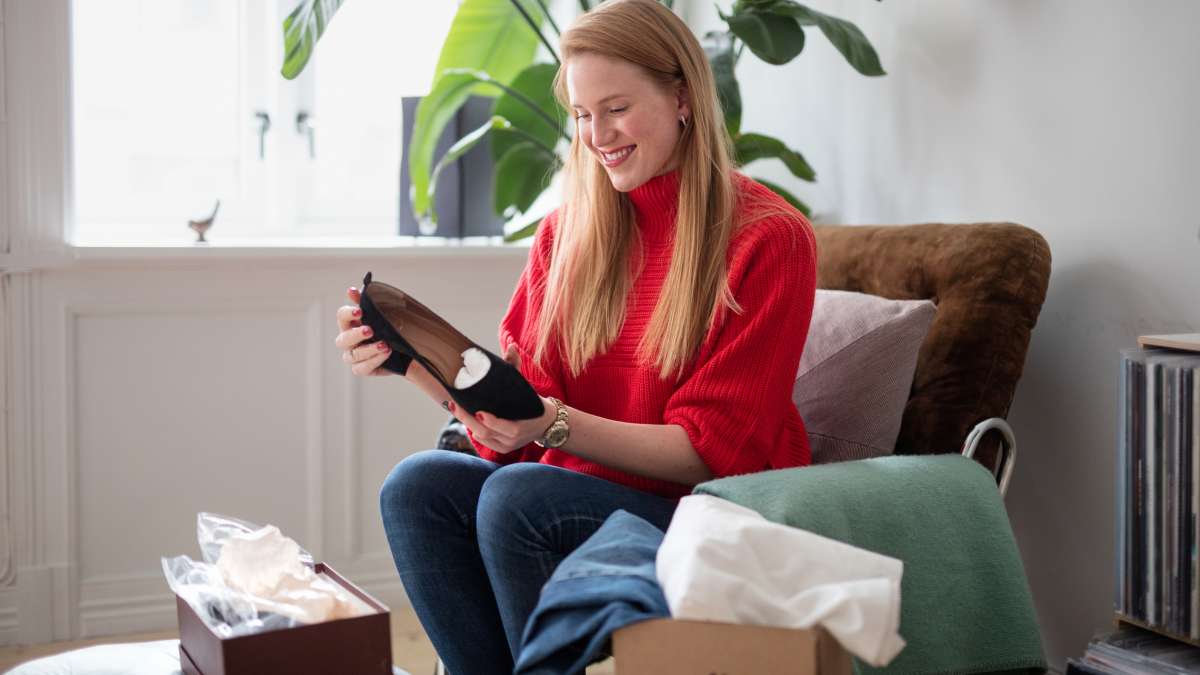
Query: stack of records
[[1133, 651], [1158, 490]]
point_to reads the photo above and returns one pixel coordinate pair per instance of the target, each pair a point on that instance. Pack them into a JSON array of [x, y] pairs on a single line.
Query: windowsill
[[296, 247]]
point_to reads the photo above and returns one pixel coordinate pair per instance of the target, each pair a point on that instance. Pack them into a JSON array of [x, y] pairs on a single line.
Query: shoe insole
[[431, 336]]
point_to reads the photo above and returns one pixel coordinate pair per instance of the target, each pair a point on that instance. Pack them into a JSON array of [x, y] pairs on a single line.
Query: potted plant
[[491, 49]]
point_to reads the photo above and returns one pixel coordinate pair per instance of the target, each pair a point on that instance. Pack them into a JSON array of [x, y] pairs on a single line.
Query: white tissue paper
[[266, 565], [475, 365], [723, 562]]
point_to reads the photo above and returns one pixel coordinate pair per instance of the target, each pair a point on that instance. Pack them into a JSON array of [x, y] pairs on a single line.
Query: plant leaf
[[774, 38], [523, 231], [750, 147], [434, 112], [845, 36], [791, 199], [721, 58], [521, 175], [301, 30], [460, 148], [485, 35], [489, 35], [535, 84]]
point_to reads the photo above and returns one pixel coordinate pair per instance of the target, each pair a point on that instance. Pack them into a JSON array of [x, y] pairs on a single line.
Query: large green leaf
[[722, 59], [523, 230], [750, 147], [845, 36], [301, 30], [460, 148], [486, 35], [791, 199], [774, 38], [433, 113], [489, 35], [530, 106], [522, 174]]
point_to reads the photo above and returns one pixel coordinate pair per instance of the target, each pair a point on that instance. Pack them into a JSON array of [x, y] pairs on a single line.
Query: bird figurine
[[202, 226]]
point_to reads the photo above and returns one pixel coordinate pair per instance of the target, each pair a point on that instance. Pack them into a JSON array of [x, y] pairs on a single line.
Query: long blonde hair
[[589, 276]]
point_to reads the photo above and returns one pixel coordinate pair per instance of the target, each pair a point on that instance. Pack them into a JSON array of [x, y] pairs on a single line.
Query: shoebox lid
[[361, 644], [681, 647]]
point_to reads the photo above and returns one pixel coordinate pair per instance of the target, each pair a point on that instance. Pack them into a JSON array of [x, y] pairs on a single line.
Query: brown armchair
[[988, 280]]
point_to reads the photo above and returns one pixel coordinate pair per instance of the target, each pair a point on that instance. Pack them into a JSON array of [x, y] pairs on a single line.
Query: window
[[179, 103]]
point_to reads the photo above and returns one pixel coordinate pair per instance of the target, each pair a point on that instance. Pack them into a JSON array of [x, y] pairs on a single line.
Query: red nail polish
[[357, 312], [452, 406], [367, 331]]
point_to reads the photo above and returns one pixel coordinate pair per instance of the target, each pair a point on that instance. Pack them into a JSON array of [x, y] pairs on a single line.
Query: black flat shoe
[[413, 331]]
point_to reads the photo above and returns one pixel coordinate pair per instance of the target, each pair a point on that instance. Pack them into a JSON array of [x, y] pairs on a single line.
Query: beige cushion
[[856, 372]]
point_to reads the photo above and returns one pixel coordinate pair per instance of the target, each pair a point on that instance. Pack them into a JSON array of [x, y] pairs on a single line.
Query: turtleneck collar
[[657, 204]]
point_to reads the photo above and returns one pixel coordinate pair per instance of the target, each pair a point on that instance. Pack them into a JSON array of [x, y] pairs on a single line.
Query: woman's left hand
[[502, 435]]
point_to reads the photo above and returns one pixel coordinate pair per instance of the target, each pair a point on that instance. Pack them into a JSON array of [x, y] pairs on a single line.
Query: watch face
[[556, 435]]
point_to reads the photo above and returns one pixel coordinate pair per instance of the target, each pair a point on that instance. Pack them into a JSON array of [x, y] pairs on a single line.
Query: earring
[[682, 121]]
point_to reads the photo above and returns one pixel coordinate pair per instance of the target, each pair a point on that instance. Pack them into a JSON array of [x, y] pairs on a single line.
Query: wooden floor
[[411, 650]]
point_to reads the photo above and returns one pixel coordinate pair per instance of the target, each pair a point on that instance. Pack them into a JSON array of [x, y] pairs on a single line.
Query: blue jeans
[[475, 541]]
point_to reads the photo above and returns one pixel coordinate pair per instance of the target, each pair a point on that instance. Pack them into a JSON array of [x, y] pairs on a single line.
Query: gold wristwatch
[[556, 434]]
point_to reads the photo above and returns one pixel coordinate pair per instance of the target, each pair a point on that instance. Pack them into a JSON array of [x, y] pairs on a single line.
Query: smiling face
[[629, 122]]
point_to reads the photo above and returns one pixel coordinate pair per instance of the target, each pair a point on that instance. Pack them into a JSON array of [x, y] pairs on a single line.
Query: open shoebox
[[359, 645], [683, 647]]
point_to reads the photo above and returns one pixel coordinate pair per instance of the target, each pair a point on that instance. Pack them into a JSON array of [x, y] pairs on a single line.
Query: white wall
[[170, 382], [1075, 118], [142, 385]]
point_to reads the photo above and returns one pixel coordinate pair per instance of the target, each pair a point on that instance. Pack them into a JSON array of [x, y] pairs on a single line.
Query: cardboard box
[[361, 645], [678, 647]]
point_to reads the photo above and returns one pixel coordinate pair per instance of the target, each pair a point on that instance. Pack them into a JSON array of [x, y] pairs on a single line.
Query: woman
[[662, 311]]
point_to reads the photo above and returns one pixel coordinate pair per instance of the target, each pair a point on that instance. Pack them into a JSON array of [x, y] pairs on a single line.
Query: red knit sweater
[[735, 397]]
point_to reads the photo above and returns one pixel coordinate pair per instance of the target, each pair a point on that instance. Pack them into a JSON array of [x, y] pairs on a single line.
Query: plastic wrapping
[[227, 611], [213, 529]]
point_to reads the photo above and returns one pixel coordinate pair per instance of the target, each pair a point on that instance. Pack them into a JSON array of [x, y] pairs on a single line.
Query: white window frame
[[36, 485], [36, 165]]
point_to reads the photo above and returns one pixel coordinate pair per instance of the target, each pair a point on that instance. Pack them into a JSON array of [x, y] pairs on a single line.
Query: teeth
[[617, 155]]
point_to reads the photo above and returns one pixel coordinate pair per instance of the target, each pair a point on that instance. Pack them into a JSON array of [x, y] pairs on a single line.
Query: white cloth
[[723, 562], [134, 658]]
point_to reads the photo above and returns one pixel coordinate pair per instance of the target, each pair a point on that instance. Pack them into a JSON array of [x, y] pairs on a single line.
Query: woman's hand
[[502, 435], [364, 360]]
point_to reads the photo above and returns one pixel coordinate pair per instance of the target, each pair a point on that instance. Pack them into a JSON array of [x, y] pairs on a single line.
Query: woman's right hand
[[366, 359]]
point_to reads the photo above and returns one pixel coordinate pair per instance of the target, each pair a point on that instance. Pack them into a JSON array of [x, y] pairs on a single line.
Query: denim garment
[[475, 541], [607, 583]]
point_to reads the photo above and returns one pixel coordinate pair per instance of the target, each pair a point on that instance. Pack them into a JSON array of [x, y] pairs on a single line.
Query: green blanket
[[965, 605]]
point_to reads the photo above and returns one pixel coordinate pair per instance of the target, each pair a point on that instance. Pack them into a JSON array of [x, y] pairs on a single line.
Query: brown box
[[678, 647], [361, 645]]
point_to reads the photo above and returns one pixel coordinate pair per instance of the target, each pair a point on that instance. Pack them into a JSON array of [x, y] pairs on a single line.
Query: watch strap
[[560, 417]]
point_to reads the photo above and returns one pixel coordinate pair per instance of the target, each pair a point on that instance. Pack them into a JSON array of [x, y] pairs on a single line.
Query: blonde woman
[[661, 316]]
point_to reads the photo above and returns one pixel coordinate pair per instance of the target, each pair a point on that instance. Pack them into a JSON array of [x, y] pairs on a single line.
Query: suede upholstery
[[988, 280]]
